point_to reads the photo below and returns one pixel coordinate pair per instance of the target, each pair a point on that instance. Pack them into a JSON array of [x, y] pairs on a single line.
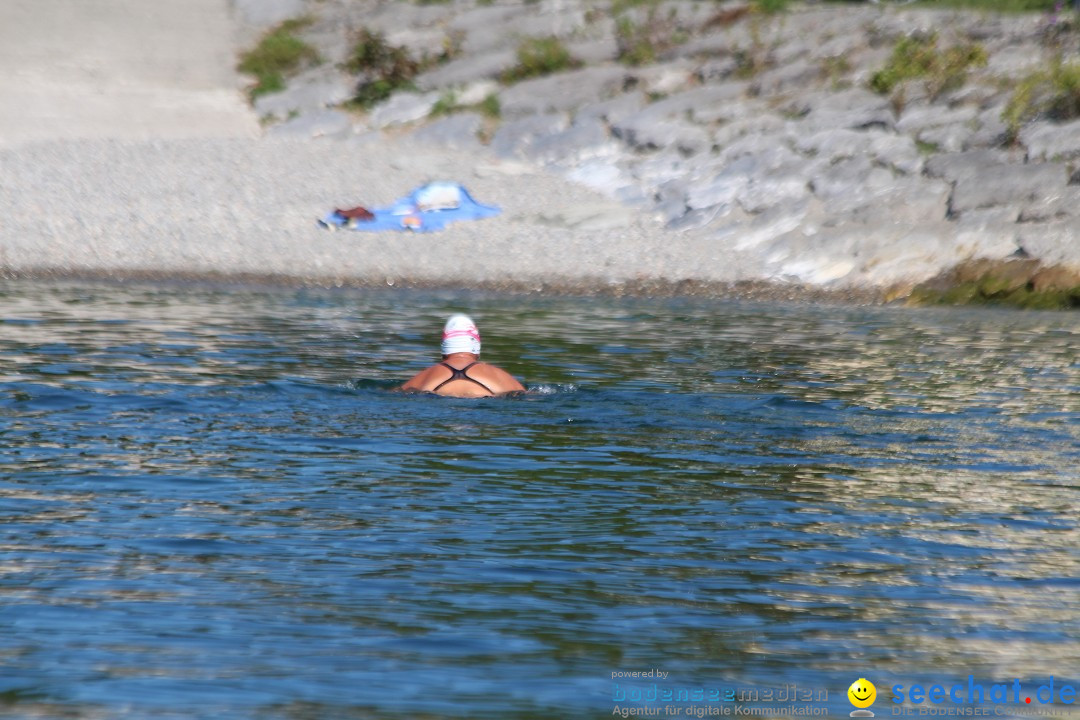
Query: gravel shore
[[248, 209]]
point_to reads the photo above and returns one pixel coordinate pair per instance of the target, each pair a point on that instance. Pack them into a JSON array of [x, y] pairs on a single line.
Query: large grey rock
[[850, 184], [314, 90], [723, 189], [467, 69], [419, 41], [562, 91], [593, 51], [1051, 141], [834, 144], [766, 227], [988, 233], [1054, 207], [1008, 184], [897, 151], [776, 190], [326, 123], [1053, 243], [460, 132], [907, 201], [732, 133], [605, 175], [664, 167], [1013, 62], [585, 138], [656, 134], [393, 18], [770, 151], [822, 258], [712, 45], [921, 117], [615, 110], [402, 108], [990, 129], [732, 110], [663, 78], [513, 138], [688, 103], [853, 109], [746, 178], [918, 253], [717, 69], [964, 165], [476, 92], [485, 27], [670, 199], [795, 74], [947, 138], [879, 253], [493, 27]]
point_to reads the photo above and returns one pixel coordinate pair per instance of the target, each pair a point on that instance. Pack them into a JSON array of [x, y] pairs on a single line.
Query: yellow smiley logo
[[862, 693]]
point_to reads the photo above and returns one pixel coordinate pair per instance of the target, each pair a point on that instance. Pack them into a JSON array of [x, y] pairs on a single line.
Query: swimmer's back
[[479, 380]]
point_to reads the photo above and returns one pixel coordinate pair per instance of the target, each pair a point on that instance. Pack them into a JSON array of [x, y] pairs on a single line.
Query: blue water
[[212, 505]]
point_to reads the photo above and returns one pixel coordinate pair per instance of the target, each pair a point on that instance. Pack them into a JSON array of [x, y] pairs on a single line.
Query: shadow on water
[[213, 503]]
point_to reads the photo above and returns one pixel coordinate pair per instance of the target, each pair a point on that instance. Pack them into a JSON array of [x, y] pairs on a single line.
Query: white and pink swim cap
[[460, 335]]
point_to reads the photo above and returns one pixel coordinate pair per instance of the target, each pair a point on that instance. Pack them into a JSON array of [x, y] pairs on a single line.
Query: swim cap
[[460, 335]]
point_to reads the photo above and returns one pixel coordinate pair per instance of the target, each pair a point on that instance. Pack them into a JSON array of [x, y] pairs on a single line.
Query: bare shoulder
[[420, 381], [496, 378]]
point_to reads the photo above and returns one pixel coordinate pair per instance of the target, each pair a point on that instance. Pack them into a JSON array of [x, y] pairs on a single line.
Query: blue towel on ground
[[428, 208]]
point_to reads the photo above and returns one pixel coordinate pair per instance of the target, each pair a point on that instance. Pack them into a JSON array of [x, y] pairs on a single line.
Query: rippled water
[[211, 505]]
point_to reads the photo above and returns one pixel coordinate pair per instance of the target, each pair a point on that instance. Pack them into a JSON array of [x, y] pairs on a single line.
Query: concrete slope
[[118, 68]]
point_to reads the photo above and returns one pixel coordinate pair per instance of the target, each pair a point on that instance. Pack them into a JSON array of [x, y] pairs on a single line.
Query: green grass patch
[[634, 42], [489, 107], [1052, 92], [279, 55], [770, 7], [835, 71], [538, 56], [927, 148], [642, 43], [383, 68], [448, 104], [445, 105], [917, 57]]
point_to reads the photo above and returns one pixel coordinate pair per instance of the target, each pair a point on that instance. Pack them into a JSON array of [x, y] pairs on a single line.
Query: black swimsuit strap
[[461, 374]]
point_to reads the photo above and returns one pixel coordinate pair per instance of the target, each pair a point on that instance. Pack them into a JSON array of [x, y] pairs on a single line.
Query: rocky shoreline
[[758, 133], [690, 147]]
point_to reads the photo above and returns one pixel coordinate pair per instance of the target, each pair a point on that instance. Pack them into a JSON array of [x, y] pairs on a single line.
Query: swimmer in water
[[461, 374]]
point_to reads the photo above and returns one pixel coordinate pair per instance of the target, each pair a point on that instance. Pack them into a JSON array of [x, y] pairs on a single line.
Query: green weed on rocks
[[448, 104], [539, 56], [770, 7], [1052, 92], [279, 54], [1025, 284], [382, 67], [642, 43], [919, 58]]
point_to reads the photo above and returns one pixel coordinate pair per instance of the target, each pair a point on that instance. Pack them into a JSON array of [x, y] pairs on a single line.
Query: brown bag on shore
[[356, 213]]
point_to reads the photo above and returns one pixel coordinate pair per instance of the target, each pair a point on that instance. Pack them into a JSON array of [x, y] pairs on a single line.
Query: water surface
[[212, 505]]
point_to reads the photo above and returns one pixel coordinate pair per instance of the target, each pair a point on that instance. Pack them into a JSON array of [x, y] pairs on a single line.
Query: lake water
[[213, 506]]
